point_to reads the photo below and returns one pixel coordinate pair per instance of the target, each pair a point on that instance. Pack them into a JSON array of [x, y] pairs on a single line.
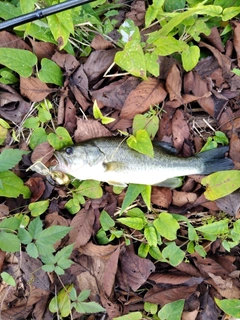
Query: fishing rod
[[41, 13]]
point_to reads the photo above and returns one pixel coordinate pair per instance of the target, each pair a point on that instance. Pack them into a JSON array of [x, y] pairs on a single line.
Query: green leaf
[[152, 65], [27, 5], [129, 31], [35, 227], [136, 212], [52, 234], [61, 304], [230, 306], [143, 250], [168, 45], [133, 191], [11, 223], [150, 307], [229, 13], [220, 184], [91, 189], [141, 143], [38, 136], [32, 250], [166, 226], [73, 205], [144, 121], [31, 123], [61, 25], [216, 228], [131, 222], [39, 207], [60, 139], [87, 307], [18, 60], [63, 255], [132, 59], [150, 235], [220, 137], [172, 310], [8, 279], [155, 253], [98, 114], [173, 253], [190, 57], [9, 11], [106, 221], [146, 195], [130, 316], [172, 5], [24, 236], [152, 11], [50, 72], [12, 186], [9, 242], [9, 158]]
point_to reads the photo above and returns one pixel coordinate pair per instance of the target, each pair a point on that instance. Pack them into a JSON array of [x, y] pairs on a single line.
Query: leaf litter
[[118, 278]]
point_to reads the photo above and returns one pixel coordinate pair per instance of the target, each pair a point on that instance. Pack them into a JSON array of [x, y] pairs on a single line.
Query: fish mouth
[[60, 163]]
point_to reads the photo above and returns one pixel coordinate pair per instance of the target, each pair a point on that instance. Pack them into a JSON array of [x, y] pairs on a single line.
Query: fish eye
[[69, 150]]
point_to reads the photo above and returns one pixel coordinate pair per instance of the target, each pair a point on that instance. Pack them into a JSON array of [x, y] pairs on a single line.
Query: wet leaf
[[166, 226], [12, 186], [172, 310]]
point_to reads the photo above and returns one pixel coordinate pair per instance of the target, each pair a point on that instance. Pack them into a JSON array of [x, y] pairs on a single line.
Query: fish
[[111, 160]]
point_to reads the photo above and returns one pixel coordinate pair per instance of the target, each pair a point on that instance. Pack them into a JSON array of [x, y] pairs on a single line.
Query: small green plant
[[67, 299], [98, 114]]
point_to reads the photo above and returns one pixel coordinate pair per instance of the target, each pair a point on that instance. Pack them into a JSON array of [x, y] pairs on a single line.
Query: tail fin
[[214, 160]]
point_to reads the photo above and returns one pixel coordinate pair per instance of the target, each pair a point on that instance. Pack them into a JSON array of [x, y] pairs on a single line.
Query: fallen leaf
[[88, 129], [34, 89]]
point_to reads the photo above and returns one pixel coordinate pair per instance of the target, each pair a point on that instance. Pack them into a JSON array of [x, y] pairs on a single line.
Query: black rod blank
[[41, 13]]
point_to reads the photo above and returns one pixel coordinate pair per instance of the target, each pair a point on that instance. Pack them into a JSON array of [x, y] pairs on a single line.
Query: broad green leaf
[[62, 303], [64, 254], [200, 250], [132, 59], [9, 158], [172, 310], [39, 207], [190, 57], [91, 189], [129, 31], [101, 237], [32, 250], [220, 137], [146, 195], [87, 307], [229, 13], [152, 12], [83, 295], [9, 11], [168, 45], [152, 64], [209, 145], [52, 234], [216, 228], [136, 212], [35, 227], [24, 236], [141, 143], [192, 234], [131, 316], [38, 136], [98, 114], [150, 235], [9, 242], [106, 221], [150, 307], [61, 25], [12, 186], [131, 222], [50, 72], [60, 139], [155, 253], [173, 253], [230, 306], [146, 122], [18, 60], [172, 5], [133, 191], [27, 5], [73, 294], [166, 226], [11, 223], [31, 123], [220, 184], [73, 205], [143, 250], [8, 279]]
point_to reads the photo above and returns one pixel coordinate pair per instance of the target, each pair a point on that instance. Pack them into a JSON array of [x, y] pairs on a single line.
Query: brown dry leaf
[[193, 82], [215, 39], [162, 296], [135, 269], [225, 287], [54, 219], [147, 93], [174, 84], [84, 104], [97, 64], [209, 310], [70, 119], [43, 152], [88, 129], [174, 279], [230, 204], [137, 13], [181, 198], [42, 49], [180, 130], [161, 196], [99, 43], [110, 272], [36, 186], [190, 315], [82, 224], [8, 40], [115, 94], [236, 38], [34, 89], [79, 80], [66, 61], [234, 147]]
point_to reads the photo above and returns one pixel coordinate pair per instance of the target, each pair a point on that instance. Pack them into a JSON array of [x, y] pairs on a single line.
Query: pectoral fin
[[113, 166], [170, 183]]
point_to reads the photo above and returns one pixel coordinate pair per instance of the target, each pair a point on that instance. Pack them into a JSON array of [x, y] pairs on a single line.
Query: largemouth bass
[[111, 160]]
